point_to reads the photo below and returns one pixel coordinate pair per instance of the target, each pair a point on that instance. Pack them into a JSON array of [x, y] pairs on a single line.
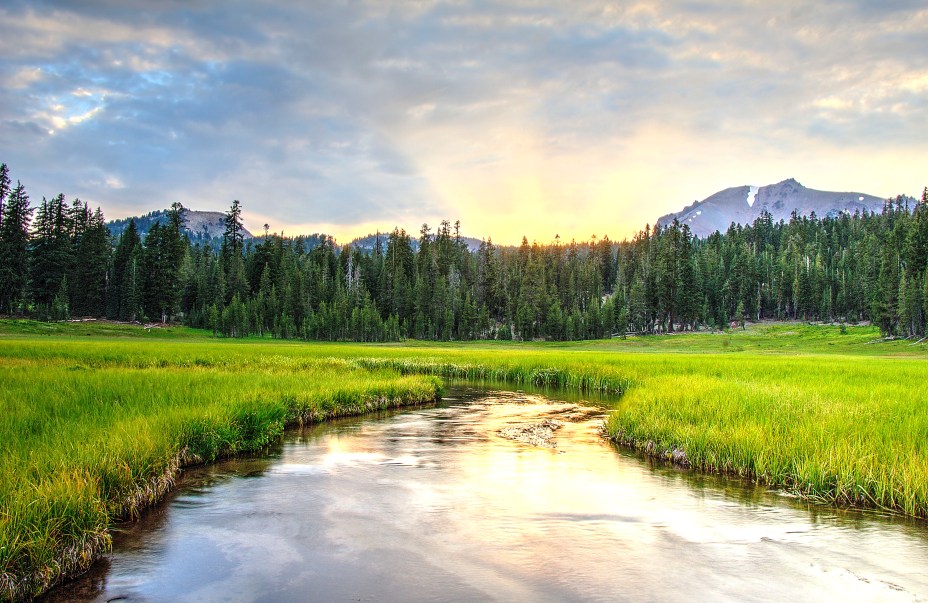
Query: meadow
[[97, 418], [93, 432]]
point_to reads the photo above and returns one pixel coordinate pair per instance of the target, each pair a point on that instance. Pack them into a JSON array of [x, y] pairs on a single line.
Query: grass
[[95, 431], [834, 418], [97, 328], [96, 419], [842, 430]]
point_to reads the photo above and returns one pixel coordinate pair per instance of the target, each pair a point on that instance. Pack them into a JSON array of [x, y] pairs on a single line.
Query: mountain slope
[[743, 204], [200, 226], [366, 244]]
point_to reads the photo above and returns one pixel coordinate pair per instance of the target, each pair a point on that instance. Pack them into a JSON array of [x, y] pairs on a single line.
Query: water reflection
[[432, 504]]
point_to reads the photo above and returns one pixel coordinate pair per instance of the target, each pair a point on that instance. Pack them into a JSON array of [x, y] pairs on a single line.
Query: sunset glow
[[516, 119]]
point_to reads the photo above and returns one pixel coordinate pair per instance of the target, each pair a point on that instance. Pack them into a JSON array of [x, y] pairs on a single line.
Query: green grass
[[95, 431], [97, 328], [843, 421], [96, 419], [845, 430]]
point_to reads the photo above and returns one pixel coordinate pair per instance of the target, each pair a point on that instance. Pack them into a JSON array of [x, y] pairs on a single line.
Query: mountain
[[200, 226], [207, 228], [366, 244], [743, 204]]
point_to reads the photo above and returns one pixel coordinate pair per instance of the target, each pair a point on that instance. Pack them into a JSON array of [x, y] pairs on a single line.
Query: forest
[[58, 261]]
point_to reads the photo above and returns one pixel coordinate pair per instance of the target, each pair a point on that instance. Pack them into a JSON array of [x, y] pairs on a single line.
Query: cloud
[[509, 115]]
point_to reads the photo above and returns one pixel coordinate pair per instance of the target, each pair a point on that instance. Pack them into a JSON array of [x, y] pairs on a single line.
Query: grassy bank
[[839, 417], [96, 418], [94, 431], [840, 430], [848, 426]]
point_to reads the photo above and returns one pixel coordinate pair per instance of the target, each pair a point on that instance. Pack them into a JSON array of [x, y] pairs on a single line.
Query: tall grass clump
[[510, 369]]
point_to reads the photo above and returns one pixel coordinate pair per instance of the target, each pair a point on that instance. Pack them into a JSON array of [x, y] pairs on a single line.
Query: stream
[[433, 504]]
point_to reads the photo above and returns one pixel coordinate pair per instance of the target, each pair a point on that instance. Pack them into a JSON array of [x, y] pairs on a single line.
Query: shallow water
[[432, 504]]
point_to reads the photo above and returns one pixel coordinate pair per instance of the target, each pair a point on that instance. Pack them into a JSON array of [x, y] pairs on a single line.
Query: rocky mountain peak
[[744, 204]]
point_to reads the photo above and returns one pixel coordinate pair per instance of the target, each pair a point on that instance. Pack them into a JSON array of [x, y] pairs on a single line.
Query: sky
[[518, 118]]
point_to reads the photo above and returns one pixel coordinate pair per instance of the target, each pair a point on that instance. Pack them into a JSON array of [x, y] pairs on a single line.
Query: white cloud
[[25, 77], [358, 113]]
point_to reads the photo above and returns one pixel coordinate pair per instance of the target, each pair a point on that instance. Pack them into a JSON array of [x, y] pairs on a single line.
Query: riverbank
[[436, 504], [841, 429], [822, 412], [96, 431], [839, 432]]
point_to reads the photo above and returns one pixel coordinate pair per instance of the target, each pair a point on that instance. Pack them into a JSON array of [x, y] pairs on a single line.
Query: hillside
[[367, 244], [208, 227], [200, 226]]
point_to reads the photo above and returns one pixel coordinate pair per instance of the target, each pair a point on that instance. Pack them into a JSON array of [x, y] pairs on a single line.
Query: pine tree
[[554, 322], [234, 232], [638, 307], [4, 189], [124, 283], [165, 249], [51, 252], [231, 253], [924, 304], [14, 250], [621, 322], [92, 252]]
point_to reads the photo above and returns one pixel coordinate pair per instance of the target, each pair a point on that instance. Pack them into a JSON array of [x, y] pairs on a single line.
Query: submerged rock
[[536, 434], [678, 456]]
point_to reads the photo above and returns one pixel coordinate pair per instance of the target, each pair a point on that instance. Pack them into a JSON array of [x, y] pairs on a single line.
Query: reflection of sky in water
[[432, 504]]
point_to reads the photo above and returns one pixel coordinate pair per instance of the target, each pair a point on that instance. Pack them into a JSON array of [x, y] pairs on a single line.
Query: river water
[[432, 504]]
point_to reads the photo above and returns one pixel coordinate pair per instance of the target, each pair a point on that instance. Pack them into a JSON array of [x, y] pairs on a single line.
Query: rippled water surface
[[432, 504]]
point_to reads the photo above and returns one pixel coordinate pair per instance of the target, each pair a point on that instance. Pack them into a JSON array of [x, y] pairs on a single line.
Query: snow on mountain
[[744, 204]]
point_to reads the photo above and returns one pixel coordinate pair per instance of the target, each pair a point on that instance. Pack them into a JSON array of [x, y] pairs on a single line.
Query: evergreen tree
[[124, 292], [92, 252], [231, 253], [4, 189], [51, 252], [14, 249], [60, 309], [165, 249]]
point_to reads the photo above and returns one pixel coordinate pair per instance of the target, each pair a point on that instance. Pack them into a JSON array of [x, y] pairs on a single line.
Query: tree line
[[58, 260]]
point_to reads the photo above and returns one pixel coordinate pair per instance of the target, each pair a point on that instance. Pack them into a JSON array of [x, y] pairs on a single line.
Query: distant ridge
[[200, 226], [744, 204], [367, 243]]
